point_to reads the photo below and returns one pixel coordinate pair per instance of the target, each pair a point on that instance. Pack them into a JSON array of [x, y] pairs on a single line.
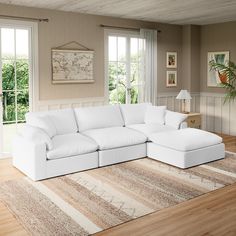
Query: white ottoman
[[185, 147]]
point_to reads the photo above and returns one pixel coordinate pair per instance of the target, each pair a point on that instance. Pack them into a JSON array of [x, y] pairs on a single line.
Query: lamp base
[[183, 107]]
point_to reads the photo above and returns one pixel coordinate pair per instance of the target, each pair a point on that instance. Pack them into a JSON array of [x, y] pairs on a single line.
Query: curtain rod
[[25, 18], [124, 28]]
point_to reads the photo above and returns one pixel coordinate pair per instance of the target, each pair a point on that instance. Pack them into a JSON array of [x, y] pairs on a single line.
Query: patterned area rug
[[94, 200]]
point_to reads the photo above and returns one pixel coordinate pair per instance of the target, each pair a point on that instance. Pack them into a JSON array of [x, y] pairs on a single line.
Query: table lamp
[[183, 95]]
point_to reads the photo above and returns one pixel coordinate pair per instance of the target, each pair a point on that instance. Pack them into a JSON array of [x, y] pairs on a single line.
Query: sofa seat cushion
[[148, 129], [115, 137], [71, 145], [185, 139]]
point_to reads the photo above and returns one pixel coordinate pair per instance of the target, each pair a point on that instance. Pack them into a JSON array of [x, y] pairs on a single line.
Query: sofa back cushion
[[54, 122], [98, 117], [42, 122], [155, 115], [174, 119], [37, 135], [134, 113]]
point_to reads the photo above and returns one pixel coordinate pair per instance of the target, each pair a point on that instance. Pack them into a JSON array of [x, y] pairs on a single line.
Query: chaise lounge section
[[185, 148]]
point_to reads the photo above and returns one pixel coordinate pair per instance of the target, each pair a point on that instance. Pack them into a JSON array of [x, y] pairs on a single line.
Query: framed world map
[[72, 66]]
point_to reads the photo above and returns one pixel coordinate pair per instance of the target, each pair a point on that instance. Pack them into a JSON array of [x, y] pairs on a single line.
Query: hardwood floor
[[7, 171], [210, 214], [230, 142], [8, 223]]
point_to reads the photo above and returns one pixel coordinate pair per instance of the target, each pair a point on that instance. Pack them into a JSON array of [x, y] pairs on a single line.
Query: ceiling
[[198, 12]]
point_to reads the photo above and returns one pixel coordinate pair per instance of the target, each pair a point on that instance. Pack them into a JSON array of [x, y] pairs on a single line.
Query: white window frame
[[33, 68], [120, 33], [33, 56]]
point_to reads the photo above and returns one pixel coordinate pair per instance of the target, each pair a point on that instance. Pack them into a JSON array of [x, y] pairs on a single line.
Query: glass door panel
[[124, 64], [7, 43], [14, 83]]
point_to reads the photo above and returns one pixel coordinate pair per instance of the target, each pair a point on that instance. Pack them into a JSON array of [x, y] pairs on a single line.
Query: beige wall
[[64, 27], [195, 59], [216, 37], [190, 42], [170, 40], [196, 42], [191, 58], [186, 53]]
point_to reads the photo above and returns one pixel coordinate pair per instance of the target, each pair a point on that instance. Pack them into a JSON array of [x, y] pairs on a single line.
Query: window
[[15, 62], [124, 67], [18, 63]]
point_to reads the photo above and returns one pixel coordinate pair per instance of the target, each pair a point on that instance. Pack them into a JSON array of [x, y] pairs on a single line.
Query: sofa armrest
[[175, 119], [36, 135], [29, 157], [183, 125]]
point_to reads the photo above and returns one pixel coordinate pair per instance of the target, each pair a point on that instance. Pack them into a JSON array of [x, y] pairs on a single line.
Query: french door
[[124, 67], [15, 81]]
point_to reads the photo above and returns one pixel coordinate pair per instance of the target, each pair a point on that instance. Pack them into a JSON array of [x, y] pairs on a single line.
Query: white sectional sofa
[[59, 142]]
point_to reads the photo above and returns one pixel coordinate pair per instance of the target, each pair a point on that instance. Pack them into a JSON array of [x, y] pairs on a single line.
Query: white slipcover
[[134, 113], [42, 122], [174, 119], [115, 137], [70, 145], [98, 117], [63, 120], [105, 141], [185, 139], [148, 129], [155, 115], [37, 135]]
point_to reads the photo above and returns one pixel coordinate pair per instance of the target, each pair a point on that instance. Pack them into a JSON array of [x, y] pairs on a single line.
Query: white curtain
[[149, 66]]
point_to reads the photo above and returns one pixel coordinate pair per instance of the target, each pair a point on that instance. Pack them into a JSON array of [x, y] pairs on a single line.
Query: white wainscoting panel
[[217, 116], [232, 118], [169, 100], [69, 103]]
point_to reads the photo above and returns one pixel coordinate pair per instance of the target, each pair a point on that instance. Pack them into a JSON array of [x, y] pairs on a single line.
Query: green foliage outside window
[[15, 91], [117, 83]]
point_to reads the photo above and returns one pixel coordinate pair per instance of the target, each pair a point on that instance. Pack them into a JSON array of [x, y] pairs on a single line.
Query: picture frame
[[171, 78], [72, 66], [213, 79], [171, 59]]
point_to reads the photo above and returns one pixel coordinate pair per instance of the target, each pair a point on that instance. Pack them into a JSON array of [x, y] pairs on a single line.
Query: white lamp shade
[[184, 94]]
